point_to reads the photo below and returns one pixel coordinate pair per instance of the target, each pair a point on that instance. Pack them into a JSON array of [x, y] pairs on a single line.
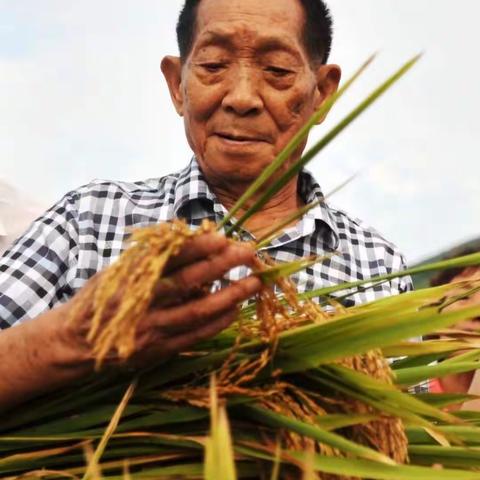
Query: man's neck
[[284, 203]]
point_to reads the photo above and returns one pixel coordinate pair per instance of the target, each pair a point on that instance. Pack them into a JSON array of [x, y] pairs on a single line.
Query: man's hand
[[184, 311]]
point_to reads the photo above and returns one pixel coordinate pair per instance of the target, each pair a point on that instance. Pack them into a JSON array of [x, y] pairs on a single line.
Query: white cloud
[[93, 104]]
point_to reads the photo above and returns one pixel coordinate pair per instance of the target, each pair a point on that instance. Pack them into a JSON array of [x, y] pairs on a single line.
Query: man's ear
[[172, 71], [328, 79]]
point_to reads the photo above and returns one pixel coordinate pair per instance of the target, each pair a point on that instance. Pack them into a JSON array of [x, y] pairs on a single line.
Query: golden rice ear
[[387, 434], [127, 287]]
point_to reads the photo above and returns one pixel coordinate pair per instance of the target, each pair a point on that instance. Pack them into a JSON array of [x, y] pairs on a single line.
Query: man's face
[[247, 85]]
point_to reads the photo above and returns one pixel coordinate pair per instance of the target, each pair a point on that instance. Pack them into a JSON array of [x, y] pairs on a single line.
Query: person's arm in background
[[467, 382], [43, 351]]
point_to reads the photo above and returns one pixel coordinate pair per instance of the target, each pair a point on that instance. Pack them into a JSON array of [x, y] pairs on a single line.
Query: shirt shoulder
[[366, 247], [75, 238], [105, 203], [160, 188], [359, 232]]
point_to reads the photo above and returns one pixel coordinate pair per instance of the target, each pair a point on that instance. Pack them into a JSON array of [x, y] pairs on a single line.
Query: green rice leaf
[[272, 274], [355, 333], [457, 457], [219, 457], [428, 347], [273, 419], [108, 433], [378, 471], [442, 400], [383, 397], [411, 376], [336, 421], [308, 467], [470, 435], [277, 462], [459, 262]]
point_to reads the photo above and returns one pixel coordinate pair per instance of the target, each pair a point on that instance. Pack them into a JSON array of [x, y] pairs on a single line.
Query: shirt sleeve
[[400, 284], [36, 270]]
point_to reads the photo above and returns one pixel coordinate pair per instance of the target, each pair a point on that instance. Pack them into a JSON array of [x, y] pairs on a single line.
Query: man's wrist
[[70, 349]]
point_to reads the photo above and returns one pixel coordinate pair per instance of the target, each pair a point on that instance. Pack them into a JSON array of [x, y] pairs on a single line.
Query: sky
[[82, 97]]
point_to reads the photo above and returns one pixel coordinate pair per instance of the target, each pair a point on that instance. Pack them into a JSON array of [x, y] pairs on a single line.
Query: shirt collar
[[310, 191], [192, 188]]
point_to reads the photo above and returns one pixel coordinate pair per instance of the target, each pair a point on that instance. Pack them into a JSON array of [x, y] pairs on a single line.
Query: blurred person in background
[[17, 211], [467, 382]]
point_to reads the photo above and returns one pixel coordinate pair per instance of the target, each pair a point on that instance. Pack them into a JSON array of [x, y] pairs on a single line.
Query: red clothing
[[434, 386]]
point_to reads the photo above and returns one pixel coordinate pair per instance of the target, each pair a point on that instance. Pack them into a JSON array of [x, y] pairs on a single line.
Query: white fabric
[[17, 211]]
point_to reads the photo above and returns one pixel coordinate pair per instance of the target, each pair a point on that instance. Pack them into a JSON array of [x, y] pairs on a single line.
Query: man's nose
[[243, 96]]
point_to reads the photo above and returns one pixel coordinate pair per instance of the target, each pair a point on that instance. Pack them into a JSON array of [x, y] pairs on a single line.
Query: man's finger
[[193, 277], [154, 350], [197, 312], [188, 339], [196, 249]]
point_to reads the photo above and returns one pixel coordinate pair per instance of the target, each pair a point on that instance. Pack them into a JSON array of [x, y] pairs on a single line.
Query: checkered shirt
[[87, 229]]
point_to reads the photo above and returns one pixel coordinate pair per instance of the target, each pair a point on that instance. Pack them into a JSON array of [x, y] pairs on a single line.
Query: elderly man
[[249, 75]]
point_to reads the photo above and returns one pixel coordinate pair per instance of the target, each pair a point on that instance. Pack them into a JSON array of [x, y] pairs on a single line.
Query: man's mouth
[[239, 138]]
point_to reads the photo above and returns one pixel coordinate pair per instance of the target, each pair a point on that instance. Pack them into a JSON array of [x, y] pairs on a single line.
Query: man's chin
[[234, 169]]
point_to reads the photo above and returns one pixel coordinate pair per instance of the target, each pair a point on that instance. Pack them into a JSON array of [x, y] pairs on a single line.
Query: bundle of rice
[[304, 391]]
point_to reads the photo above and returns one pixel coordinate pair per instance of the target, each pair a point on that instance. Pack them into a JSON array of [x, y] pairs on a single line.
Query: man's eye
[[278, 72], [213, 67]]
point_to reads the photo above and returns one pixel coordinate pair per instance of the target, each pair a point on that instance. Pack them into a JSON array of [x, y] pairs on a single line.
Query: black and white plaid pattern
[[87, 229]]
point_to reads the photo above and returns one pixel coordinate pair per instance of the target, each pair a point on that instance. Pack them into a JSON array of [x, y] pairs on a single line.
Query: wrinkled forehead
[[265, 24], [261, 42]]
